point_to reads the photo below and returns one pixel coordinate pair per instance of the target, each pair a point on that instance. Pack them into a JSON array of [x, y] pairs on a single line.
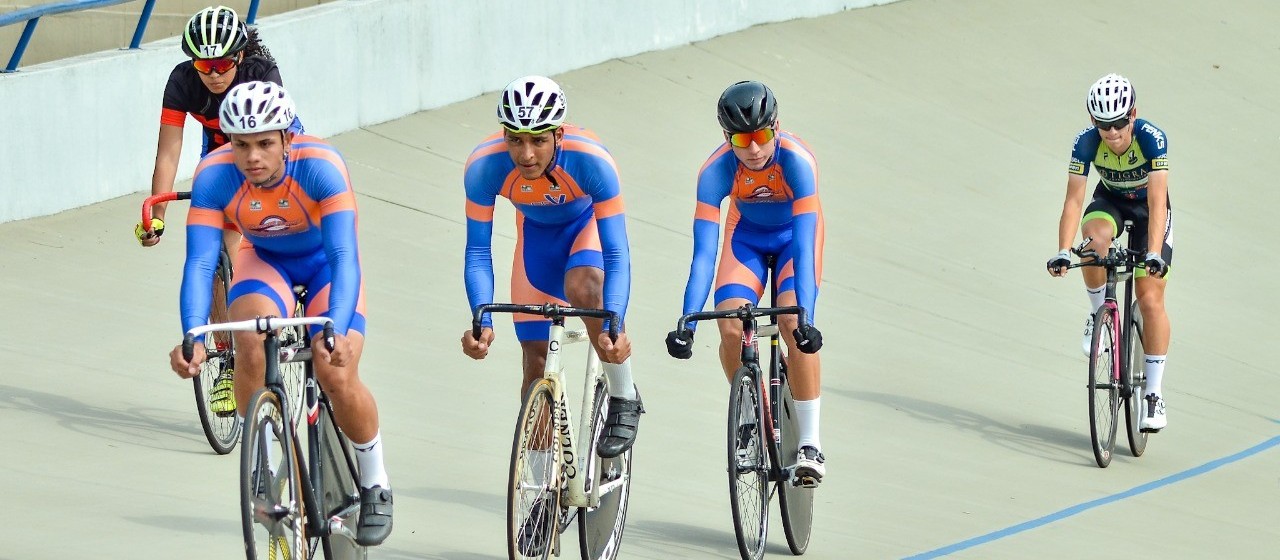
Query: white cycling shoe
[[809, 468], [1155, 419], [1087, 344]]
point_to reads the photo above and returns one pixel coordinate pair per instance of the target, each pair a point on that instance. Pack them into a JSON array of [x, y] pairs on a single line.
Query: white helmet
[[531, 104], [1110, 98], [256, 107]]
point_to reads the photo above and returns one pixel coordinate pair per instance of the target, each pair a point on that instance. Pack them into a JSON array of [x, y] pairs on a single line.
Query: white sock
[[807, 415], [620, 383], [540, 464], [1096, 297], [372, 470], [1154, 367]]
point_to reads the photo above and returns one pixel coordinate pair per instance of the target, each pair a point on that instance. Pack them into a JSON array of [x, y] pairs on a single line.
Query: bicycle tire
[[794, 502], [339, 488], [537, 429], [1104, 392], [1135, 405], [221, 431], [600, 528], [748, 474], [271, 501], [293, 374]]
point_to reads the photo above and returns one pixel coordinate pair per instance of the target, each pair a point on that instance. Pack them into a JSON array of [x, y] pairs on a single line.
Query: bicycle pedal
[[805, 482], [225, 414]]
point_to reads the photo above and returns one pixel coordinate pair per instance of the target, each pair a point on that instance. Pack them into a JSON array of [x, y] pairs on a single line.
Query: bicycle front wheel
[[796, 502], [600, 528], [221, 428], [1135, 406], [293, 374], [533, 495], [1104, 389], [748, 466], [271, 507]]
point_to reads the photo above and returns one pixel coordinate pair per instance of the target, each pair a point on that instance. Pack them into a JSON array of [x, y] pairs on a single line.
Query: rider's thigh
[[1101, 231], [334, 378], [584, 286], [249, 343], [731, 329], [1150, 294]]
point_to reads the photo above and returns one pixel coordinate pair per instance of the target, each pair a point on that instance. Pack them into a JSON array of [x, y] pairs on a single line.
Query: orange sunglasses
[[211, 65], [760, 137]]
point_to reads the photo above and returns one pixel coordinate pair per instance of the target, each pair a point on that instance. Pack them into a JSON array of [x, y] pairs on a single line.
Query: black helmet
[[215, 32], [747, 107]]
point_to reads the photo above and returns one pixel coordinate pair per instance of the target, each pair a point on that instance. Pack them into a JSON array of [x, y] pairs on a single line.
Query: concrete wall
[[83, 130]]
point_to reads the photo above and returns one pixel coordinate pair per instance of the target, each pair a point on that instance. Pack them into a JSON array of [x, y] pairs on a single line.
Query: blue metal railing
[[33, 14]]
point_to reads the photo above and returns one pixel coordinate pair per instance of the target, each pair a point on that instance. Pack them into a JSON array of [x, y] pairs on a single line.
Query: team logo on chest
[[255, 205], [284, 203], [274, 225]]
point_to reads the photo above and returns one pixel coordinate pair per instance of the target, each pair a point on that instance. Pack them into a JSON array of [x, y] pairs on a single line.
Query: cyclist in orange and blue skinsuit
[[571, 249], [291, 196], [771, 179]]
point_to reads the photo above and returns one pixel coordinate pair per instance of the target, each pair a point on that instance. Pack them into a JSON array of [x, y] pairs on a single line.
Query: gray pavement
[[954, 416]]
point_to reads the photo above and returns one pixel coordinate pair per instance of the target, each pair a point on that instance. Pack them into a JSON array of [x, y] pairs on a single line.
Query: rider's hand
[[808, 339], [340, 354], [680, 344], [1156, 267], [614, 351], [1058, 264], [146, 238], [477, 349], [182, 367]]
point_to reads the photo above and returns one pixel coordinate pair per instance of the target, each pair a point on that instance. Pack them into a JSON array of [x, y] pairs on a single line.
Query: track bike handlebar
[[261, 325], [549, 310], [1118, 258], [159, 199], [745, 313]]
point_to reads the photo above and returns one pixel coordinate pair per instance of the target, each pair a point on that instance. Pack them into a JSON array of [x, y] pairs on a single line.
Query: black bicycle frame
[[771, 407]]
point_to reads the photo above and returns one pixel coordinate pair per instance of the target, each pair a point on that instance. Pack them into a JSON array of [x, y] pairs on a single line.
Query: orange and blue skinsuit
[[772, 212], [301, 231], [571, 216]]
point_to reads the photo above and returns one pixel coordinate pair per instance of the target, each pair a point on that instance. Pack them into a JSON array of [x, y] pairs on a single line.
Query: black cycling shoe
[[535, 532], [620, 427], [375, 516]]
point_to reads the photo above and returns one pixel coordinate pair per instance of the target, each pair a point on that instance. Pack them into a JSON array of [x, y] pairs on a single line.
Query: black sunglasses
[[1112, 125]]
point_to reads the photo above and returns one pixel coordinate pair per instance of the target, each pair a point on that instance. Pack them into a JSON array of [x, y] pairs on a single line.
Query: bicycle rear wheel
[[748, 466], [1135, 406], [600, 528], [222, 430], [339, 493], [1104, 392], [271, 507], [533, 493], [795, 502]]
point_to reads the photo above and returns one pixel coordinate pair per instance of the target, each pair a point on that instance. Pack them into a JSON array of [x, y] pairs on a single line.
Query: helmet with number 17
[[1111, 98], [532, 104], [256, 107], [214, 32]]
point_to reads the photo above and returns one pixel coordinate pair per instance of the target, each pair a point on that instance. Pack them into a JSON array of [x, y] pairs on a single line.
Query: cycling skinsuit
[[772, 212], [185, 94], [1121, 193], [300, 231], [569, 217]]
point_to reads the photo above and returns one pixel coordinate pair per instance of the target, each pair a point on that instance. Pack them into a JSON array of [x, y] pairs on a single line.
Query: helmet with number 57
[[532, 104], [256, 107]]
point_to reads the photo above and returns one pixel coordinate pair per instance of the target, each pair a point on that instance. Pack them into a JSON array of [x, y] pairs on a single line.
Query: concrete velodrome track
[[954, 417]]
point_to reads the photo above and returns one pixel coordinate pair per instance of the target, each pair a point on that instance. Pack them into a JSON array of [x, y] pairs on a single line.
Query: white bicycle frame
[[576, 468]]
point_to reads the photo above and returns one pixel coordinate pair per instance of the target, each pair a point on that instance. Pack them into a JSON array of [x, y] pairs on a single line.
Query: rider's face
[[260, 155], [758, 151], [1118, 138], [532, 153]]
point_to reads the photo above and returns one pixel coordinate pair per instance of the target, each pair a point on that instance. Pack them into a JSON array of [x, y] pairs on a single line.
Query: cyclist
[[572, 246], [770, 177], [1133, 167], [292, 198], [224, 52]]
